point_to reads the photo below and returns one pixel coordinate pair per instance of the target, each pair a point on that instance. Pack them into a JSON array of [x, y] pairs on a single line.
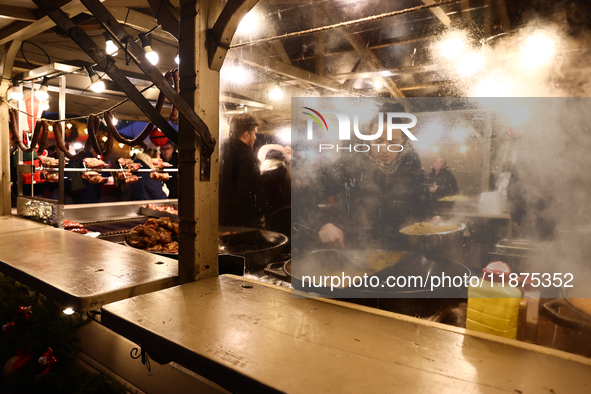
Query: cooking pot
[[430, 244], [411, 300], [258, 247], [572, 316]]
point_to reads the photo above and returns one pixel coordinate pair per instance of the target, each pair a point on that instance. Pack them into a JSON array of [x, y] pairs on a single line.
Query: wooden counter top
[[75, 271], [257, 338]]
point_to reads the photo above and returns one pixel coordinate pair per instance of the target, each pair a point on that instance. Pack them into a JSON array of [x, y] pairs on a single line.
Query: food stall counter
[[247, 336], [76, 271]]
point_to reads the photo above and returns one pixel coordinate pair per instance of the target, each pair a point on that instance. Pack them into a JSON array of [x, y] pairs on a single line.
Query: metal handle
[[550, 310], [275, 269]]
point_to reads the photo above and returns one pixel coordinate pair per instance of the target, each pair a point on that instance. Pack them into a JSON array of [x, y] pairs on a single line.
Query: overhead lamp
[[69, 125], [68, 311], [42, 94], [121, 145], [177, 59], [114, 121], [150, 54], [44, 105], [110, 46], [276, 93], [96, 84], [17, 92], [104, 138]]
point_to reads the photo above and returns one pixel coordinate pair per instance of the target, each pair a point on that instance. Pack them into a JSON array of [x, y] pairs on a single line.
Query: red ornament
[[8, 327], [158, 138], [25, 310], [47, 360]]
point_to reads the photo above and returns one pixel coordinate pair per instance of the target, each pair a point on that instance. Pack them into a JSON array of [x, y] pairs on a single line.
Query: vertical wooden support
[[486, 146], [198, 200], [7, 53]]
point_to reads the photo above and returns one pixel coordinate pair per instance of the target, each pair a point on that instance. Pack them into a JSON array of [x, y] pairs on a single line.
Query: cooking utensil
[[411, 300], [434, 243]]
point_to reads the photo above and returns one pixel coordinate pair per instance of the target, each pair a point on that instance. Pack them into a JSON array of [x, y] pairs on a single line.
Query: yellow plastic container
[[492, 307]]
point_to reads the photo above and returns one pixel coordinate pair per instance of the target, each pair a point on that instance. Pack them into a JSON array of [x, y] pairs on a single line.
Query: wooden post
[[7, 54], [198, 200]]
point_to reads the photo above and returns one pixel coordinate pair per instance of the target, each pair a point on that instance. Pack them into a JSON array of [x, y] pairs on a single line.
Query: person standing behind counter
[[442, 182], [146, 188], [240, 175], [379, 192], [170, 155]]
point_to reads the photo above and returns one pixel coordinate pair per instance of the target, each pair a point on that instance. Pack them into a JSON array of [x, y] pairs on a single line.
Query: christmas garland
[[38, 346]]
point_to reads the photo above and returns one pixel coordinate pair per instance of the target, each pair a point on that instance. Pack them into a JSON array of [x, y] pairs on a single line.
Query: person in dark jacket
[[442, 182], [240, 175], [378, 193], [146, 188], [531, 208], [170, 155], [276, 192]]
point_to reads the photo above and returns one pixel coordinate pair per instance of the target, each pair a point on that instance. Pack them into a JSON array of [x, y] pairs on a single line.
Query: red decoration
[[47, 360], [8, 327], [25, 310], [158, 138]]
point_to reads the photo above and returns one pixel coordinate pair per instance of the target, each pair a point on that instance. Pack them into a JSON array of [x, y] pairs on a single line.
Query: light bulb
[[177, 60], [68, 311], [17, 92], [114, 121], [96, 84], [121, 145], [42, 94], [69, 125], [44, 105], [110, 46], [276, 93], [151, 55], [78, 146], [104, 138]]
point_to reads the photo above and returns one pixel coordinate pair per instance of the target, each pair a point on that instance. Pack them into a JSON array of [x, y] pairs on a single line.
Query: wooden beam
[[438, 12], [283, 69], [167, 16], [7, 54], [17, 14], [21, 31], [366, 55], [465, 5], [198, 199], [505, 22], [139, 21]]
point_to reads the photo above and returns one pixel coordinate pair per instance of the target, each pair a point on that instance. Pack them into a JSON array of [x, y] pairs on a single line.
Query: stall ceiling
[[390, 56]]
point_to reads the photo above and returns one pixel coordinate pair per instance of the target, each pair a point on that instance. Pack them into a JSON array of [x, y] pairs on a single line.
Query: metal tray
[[159, 214]]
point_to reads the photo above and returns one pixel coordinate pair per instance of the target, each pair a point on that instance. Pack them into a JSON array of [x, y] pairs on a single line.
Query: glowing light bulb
[[114, 121], [463, 149], [121, 145], [85, 130], [151, 55], [69, 311], [69, 125], [276, 93], [435, 149], [50, 128], [539, 49], [44, 105], [42, 94], [78, 146], [16, 93], [98, 86], [104, 138], [177, 59]]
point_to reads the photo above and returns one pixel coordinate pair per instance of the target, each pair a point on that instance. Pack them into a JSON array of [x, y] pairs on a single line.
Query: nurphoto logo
[[393, 122]]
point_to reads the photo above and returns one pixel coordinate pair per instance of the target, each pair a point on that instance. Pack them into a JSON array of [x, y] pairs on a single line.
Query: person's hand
[[436, 220], [331, 234], [517, 227], [433, 189]]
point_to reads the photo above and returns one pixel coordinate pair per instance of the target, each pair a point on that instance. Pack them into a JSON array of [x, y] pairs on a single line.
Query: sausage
[[59, 139], [15, 133], [119, 138], [43, 139], [92, 126]]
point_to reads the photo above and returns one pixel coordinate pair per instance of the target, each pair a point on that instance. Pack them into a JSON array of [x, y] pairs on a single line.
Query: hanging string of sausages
[[93, 123]]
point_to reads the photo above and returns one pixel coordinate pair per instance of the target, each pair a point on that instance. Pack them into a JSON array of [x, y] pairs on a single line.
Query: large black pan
[[416, 300], [575, 316]]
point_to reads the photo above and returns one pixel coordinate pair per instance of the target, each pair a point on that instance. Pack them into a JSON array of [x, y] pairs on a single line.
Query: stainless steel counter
[[250, 337], [77, 271]]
